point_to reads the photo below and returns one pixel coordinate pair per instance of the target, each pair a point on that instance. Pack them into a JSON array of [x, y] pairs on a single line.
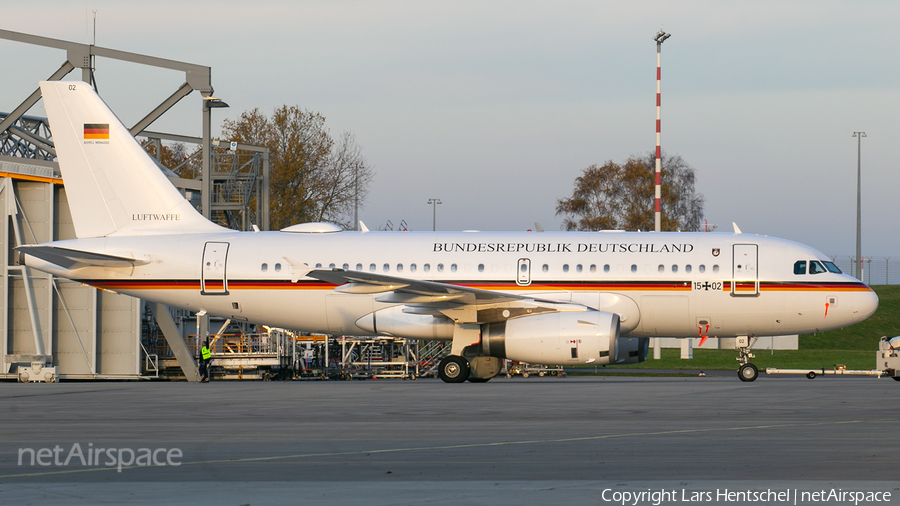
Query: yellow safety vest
[[205, 353]]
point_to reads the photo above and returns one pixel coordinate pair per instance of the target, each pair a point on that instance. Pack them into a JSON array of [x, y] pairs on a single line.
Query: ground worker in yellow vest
[[205, 357]]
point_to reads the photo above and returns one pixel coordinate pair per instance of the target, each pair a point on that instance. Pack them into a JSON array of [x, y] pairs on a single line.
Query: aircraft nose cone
[[864, 304]]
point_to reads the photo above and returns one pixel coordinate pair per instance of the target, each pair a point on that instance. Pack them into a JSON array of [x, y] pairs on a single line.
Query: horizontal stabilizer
[[74, 259]]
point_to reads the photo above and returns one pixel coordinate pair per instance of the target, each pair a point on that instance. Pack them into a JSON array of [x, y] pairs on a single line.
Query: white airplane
[[567, 298]]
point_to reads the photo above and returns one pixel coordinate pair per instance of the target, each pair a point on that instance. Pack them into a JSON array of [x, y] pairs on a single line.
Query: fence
[[876, 270]]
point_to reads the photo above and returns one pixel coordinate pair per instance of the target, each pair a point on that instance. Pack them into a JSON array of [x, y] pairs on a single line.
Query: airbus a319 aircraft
[[565, 298]]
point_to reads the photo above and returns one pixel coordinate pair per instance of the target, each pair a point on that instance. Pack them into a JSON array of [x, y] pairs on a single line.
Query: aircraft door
[[523, 272], [213, 280], [745, 278]]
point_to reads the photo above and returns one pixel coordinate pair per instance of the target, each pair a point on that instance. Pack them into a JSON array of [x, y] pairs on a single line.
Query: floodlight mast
[[859, 264], [434, 203], [659, 38]]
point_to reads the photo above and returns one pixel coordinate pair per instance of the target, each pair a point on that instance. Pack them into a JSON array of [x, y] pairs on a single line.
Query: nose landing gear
[[747, 371]]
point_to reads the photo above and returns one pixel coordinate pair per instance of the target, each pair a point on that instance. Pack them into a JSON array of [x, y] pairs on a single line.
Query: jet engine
[[590, 337]]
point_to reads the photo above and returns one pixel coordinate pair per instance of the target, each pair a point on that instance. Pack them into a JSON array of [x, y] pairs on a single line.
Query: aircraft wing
[[460, 303], [74, 259]]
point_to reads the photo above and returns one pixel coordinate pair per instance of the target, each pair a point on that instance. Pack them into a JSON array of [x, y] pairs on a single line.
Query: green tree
[[616, 196]]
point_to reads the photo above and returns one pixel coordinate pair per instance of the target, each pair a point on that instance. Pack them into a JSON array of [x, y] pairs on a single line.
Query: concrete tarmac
[[536, 440]]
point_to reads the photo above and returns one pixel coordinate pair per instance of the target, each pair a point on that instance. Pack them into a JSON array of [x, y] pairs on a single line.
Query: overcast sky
[[496, 107]]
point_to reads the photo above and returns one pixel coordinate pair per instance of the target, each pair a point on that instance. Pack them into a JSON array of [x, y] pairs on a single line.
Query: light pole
[[859, 136], [434, 203], [659, 38], [356, 198], [209, 103]]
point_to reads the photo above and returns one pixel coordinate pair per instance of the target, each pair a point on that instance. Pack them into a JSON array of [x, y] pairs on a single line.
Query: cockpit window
[[832, 268], [815, 267], [800, 267]]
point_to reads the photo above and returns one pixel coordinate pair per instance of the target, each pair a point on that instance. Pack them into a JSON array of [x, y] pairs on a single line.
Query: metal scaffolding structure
[[104, 329]]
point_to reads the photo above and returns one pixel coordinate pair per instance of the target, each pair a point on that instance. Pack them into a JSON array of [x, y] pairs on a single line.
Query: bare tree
[[620, 196], [312, 177]]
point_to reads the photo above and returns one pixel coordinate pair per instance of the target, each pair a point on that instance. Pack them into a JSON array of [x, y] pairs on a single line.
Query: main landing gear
[[747, 371], [453, 369], [475, 369]]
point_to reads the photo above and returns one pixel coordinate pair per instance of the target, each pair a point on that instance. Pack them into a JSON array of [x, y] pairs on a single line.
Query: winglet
[[362, 227], [736, 229], [538, 227]]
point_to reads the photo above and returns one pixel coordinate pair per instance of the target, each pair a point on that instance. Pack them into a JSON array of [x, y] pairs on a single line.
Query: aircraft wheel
[[811, 375], [453, 369], [748, 372]]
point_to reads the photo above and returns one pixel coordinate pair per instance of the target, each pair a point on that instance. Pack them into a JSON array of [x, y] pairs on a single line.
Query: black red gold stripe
[[608, 286]]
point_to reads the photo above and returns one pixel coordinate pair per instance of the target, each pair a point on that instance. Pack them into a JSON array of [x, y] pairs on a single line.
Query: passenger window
[[277, 267], [440, 267], [346, 267], [565, 267], [265, 267], [318, 266], [372, 267], [715, 268], [426, 267], [633, 268], [452, 267], [661, 268], [702, 268], [545, 268], [330, 266], [593, 268], [480, 267], [800, 267], [399, 267], [578, 268], [687, 268], [674, 268], [386, 268], [816, 268], [412, 267], [606, 268], [523, 268], [359, 267]]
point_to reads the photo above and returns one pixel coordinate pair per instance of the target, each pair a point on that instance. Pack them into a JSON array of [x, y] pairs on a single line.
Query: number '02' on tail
[[112, 185]]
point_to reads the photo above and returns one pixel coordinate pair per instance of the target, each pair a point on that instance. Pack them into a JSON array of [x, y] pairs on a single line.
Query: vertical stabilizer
[[112, 185]]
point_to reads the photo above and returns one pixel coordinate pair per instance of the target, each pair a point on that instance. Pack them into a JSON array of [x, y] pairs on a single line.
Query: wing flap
[[461, 304]]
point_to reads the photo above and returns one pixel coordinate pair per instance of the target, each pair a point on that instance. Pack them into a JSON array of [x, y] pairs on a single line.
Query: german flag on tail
[[96, 130]]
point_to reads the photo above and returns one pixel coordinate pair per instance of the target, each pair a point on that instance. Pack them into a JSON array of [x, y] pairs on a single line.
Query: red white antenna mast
[[660, 38]]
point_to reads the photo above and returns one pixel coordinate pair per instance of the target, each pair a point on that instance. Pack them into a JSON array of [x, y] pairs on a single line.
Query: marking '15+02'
[[707, 286]]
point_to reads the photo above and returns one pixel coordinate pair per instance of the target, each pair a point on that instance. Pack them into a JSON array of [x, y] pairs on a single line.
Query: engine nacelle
[[393, 321], [590, 337]]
